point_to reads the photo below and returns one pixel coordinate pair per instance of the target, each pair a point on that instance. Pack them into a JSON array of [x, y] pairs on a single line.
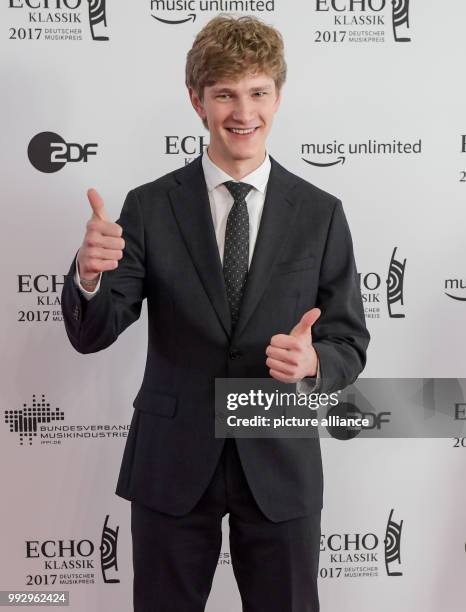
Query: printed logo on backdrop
[[455, 289], [384, 293], [58, 20], [335, 153], [361, 21], [185, 148], [463, 150], [39, 297], [48, 152], [39, 421], [366, 554], [186, 11], [349, 409], [51, 561]]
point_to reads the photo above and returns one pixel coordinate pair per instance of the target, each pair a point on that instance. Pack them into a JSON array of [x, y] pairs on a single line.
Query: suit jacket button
[[76, 312], [234, 354]]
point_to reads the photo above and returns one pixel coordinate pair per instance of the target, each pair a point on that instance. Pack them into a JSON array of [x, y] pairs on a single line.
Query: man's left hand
[[291, 357]]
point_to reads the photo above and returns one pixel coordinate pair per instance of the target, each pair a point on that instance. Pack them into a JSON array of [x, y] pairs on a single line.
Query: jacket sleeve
[[95, 324], [340, 336]]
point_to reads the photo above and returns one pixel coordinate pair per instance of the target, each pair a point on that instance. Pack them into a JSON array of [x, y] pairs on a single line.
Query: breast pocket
[[296, 265]]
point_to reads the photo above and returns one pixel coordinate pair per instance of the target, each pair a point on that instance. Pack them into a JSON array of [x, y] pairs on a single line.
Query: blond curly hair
[[229, 48]]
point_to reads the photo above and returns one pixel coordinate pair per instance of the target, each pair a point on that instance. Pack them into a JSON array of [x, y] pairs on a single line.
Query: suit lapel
[[190, 202], [277, 219]]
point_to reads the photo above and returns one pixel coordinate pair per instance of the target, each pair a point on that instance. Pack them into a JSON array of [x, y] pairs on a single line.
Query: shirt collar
[[215, 176]]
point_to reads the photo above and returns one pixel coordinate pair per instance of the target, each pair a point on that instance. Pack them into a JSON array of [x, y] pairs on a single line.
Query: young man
[[248, 271]]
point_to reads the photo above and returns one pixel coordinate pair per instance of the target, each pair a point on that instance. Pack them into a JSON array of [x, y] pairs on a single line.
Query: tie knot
[[238, 190]]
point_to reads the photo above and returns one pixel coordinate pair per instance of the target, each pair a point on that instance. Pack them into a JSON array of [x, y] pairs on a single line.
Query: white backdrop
[[125, 99]]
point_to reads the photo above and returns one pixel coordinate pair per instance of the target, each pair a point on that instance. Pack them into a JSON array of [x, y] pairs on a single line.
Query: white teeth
[[242, 131]]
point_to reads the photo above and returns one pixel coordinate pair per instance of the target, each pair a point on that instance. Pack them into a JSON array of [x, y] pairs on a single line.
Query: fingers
[[282, 377], [97, 205], [99, 253], [311, 316], [95, 239], [94, 266], [281, 354], [281, 367], [103, 244], [285, 341], [105, 228]]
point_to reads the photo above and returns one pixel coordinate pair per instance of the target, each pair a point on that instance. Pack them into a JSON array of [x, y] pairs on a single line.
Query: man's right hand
[[103, 245]]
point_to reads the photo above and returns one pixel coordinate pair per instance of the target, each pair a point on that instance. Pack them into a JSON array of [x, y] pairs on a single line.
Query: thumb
[[97, 205], [307, 321]]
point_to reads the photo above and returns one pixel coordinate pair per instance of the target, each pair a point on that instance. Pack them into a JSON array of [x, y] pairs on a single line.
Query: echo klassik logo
[[187, 146], [378, 289], [169, 12], [361, 21], [463, 150], [57, 20], [362, 554], [40, 299], [48, 152], [54, 554]]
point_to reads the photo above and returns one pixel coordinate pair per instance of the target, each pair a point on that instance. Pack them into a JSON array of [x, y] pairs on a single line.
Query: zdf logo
[[48, 152]]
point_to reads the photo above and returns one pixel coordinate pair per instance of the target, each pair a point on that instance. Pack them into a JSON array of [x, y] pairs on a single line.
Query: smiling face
[[229, 107]]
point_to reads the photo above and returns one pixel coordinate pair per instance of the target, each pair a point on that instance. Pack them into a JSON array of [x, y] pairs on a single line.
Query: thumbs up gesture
[[291, 357], [103, 245]]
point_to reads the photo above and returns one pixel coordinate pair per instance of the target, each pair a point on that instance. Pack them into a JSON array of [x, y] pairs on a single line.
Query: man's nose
[[243, 111]]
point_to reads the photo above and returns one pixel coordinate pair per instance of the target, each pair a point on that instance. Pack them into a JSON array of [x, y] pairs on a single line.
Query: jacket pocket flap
[[155, 403], [295, 265]]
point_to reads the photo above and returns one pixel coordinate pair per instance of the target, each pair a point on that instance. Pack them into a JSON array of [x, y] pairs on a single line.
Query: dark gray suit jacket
[[303, 258]]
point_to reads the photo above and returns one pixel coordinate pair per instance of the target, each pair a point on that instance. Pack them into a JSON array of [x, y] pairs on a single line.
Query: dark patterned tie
[[236, 252]]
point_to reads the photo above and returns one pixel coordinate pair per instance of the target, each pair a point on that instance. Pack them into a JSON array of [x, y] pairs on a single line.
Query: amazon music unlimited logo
[[48, 152], [361, 21], [334, 153], [167, 12], [455, 289], [58, 20]]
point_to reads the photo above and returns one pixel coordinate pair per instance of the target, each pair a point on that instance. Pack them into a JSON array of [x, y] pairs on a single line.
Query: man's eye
[[264, 93], [222, 95]]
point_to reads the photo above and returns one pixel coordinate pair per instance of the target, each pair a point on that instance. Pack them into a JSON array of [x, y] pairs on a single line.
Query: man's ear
[[278, 100], [197, 104]]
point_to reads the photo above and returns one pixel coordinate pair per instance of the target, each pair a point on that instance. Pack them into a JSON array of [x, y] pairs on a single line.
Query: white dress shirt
[[221, 202]]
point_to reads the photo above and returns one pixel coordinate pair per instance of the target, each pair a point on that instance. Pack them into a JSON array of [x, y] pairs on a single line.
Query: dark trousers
[[175, 557]]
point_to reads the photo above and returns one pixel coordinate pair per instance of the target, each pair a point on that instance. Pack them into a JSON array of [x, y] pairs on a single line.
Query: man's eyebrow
[[228, 90]]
